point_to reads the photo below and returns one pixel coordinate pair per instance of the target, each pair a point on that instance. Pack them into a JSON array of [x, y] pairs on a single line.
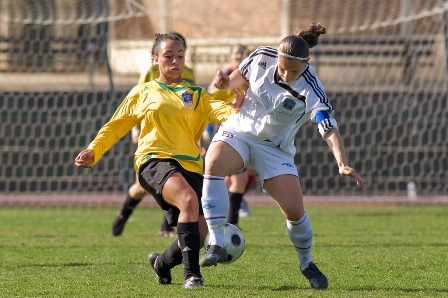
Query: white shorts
[[263, 156]]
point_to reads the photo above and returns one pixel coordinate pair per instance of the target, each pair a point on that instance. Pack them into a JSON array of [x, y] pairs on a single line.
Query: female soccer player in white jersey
[[172, 115], [284, 93]]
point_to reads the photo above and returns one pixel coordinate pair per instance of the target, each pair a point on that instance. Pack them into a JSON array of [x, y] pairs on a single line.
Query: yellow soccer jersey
[[154, 73], [224, 95], [172, 119]]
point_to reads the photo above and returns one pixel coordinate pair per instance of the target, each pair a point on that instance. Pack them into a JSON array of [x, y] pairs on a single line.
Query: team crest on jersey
[[187, 98], [227, 134], [262, 65], [288, 106]]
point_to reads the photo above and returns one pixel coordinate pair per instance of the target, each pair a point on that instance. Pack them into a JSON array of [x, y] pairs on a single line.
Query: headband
[[293, 57]]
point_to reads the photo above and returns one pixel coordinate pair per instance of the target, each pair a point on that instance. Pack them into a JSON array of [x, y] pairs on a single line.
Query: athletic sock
[[129, 206], [189, 244], [301, 235], [170, 257], [235, 200], [215, 203]]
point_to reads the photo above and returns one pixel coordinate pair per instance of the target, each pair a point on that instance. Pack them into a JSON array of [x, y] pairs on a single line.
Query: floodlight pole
[[284, 19], [112, 96], [163, 16]]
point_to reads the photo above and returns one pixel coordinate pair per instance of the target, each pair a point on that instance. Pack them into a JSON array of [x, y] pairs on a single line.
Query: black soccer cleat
[[214, 254], [163, 278], [316, 278], [193, 282], [118, 225]]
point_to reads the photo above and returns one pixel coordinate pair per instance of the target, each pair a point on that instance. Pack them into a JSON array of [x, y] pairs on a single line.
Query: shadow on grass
[[288, 288]]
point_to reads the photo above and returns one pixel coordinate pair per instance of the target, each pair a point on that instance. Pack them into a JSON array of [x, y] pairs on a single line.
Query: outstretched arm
[[234, 81], [121, 122], [334, 141]]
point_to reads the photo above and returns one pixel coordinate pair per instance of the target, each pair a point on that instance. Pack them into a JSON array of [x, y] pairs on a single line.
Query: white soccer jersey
[[274, 110]]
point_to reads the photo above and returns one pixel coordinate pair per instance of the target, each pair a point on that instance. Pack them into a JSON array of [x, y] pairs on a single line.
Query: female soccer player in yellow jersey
[[136, 193], [172, 115]]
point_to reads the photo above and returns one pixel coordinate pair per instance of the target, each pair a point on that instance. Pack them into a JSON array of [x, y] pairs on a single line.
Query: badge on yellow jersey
[[187, 98]]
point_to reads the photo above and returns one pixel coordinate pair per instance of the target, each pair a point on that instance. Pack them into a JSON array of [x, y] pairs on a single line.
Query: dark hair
[[161, 37], [299, 45], [181, 38]]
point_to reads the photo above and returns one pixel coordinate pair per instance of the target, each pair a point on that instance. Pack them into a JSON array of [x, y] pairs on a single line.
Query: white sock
[[215, 203], [301, 235]]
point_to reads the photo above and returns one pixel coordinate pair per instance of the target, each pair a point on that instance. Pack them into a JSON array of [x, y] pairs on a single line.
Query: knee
[[216, 165], [189, 203], [293, 212], [212, 164]]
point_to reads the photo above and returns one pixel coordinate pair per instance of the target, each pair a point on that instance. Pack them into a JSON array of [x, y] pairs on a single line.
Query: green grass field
[[365, 251]]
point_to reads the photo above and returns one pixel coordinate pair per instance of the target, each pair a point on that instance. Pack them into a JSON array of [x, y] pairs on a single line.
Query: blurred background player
[[237, 183], [136, 192]]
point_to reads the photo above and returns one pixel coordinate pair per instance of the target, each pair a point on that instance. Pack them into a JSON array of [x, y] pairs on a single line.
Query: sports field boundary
[[102, 199]]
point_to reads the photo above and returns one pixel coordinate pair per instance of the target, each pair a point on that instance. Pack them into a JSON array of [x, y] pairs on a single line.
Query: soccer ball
[[233, 242]]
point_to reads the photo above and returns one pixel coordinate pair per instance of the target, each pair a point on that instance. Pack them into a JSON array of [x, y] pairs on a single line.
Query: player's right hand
[[84, 159], [221, 81]]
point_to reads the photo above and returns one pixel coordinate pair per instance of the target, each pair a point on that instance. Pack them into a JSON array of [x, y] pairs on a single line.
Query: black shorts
[[153, 175]]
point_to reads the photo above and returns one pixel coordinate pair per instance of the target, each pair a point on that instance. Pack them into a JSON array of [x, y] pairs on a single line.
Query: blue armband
[[321, 116], [324, 121]]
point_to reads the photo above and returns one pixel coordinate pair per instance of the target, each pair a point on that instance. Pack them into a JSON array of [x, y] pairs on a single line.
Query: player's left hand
[[84, 159], [347, 171], [239, 99]]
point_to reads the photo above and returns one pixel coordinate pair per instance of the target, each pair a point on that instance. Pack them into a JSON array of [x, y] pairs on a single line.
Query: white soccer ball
[[234, 242]]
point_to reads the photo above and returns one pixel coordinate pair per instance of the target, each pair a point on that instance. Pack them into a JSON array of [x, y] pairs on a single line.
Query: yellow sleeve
[[152, 73], [121, 122], [224, 95], [217, 110], [188, 75], [142, 78]]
